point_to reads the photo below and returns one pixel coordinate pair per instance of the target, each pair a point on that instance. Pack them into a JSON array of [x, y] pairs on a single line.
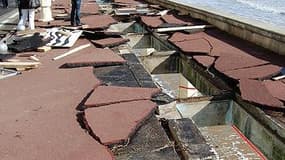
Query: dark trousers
[[5, 3], [75, 12]]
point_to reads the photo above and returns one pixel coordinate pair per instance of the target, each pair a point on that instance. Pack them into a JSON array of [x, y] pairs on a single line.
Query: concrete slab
[[109, 42], [105, 95], [152, 21], [194, 46], [171, 19], [259, 72], [217, 45], [149, 142], [276, 88], [116, 123], [255, 91], [116, 76], [227, 143], [189, 139], [206, 61], [205, 113], [241, 60], [92, 56], [98, 21]]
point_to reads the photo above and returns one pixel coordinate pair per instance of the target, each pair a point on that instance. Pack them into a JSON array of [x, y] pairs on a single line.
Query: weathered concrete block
[[189, 139]]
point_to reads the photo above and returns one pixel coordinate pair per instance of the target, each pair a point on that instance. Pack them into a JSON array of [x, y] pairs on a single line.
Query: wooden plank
[[20, 65], [44, 49], [173, 29], [72, 51]]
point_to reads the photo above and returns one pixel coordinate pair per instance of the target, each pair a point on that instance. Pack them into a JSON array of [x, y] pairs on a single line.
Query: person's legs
[[24, 17], [5, 3], [73, 8], [32, 19], [77, 16]]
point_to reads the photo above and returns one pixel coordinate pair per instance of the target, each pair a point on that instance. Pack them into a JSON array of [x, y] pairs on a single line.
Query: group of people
[[27, 13]]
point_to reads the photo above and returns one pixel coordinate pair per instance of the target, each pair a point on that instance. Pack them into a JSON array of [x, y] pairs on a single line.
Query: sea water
[[267, 11]]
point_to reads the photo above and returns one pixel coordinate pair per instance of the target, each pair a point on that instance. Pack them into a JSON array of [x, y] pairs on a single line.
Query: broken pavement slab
[[241, 60], [254, 91], [171, 19], [152, 21], [149, 142], [116, 123], [109, 42], [106, 95], [94, 22], [93, 56], [194, 46], [276, 88], [206, 61], [259, 72]]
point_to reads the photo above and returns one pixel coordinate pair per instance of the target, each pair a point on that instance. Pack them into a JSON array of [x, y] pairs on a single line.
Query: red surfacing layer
[[171, 19], [232, 60], [259, 72], [98, 21], [38, 115], [56, 23], [133, 2], [206, 61], [194, 46], [217, 45], [109, 42], [92, 56], [105, 95], [89, 8], [276, 88], [115, 123], [255, 91], [152, 21]]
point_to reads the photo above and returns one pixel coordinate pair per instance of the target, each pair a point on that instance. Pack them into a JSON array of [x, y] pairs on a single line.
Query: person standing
[[5, 3], [75, 13], [28, 12]]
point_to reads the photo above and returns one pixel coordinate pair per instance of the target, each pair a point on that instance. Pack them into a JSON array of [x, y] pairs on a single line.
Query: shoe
[[80, 24]]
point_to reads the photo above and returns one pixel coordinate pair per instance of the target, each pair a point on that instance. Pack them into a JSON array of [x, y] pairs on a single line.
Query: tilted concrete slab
[[105, 95], [152, 21], [259, 72], [98, 21], [255, 91], [276, 88], [116, 123]]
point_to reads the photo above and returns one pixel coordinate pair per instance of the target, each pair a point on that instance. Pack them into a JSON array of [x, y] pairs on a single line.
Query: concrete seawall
[[264, 35]]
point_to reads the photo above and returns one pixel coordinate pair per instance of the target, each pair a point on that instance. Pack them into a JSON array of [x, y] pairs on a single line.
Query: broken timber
[[20, 65], [72, 51], [172, 29]]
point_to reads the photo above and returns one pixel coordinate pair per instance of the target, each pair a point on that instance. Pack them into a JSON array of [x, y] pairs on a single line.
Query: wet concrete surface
[[227, 143]]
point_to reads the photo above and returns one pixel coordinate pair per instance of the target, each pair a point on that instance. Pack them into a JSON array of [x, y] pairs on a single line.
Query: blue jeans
[[75, 12]]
